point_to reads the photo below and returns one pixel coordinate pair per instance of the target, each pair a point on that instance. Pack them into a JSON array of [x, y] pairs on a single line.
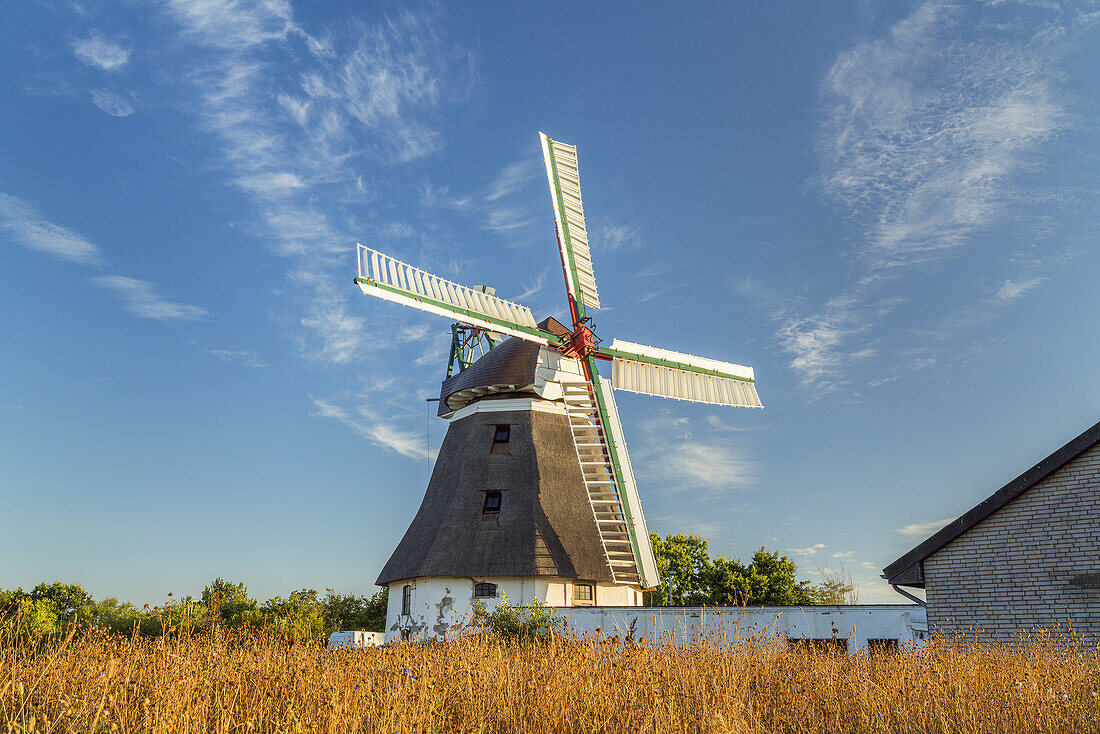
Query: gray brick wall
[[1034, 563]]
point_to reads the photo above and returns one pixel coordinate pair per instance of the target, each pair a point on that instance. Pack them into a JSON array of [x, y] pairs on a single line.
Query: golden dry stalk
[[254, 682]]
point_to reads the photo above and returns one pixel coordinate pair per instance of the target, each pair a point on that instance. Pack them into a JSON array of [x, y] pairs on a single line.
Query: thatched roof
[[544, 527]]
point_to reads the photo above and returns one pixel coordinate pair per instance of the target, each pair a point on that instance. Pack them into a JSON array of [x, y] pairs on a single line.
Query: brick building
[[1027, 556]]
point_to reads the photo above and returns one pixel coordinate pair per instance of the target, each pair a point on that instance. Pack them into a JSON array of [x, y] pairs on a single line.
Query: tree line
[[689, 576], [303, 614]]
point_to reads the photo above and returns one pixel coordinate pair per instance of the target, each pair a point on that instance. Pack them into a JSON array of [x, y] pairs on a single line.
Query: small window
[[492, 503], [485, 590], [825, 645], [883, 645], [407, 599], [500, 440], [584, 594]]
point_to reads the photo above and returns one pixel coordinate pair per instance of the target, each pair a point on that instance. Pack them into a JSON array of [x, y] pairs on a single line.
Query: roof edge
[[994, 502]]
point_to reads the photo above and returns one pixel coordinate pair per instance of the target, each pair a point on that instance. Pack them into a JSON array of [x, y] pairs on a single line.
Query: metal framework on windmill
[[483, 319]]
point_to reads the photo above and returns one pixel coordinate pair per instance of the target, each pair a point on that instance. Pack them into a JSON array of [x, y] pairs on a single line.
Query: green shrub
[[517, 623]]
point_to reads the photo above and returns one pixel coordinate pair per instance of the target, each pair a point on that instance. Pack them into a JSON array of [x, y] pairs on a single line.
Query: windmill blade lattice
[[662, 372], [563, 173], [390, 279]]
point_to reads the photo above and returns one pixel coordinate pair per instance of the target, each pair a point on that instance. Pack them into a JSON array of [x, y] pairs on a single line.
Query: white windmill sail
[[392, 280], [651, 371], [565, 193]]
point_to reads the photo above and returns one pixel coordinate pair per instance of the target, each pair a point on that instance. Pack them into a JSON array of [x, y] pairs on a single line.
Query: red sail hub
[[581, 342]]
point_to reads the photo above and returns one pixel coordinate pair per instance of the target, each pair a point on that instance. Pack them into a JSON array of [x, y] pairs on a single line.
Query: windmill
[[565, 371]]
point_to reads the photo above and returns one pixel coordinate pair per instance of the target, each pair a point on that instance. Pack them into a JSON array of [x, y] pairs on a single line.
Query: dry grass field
[[253, 682]]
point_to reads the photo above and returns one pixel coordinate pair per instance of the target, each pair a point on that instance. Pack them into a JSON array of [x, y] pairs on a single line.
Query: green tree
[[110, 614], [773, 579], [230, 603], [683, 565], [689, 576], [836, 587], [68, 598], [299, 616], [350, 612], [34, 617]]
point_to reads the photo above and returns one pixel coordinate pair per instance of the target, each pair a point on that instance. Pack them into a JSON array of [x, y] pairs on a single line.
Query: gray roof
[[545, 526], [507, 367], [909, 570]]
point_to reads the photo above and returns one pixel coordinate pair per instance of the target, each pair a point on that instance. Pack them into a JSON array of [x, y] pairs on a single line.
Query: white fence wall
[[857, 624]]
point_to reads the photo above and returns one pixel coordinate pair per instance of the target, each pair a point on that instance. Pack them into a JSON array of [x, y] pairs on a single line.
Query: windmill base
[[435, 608]]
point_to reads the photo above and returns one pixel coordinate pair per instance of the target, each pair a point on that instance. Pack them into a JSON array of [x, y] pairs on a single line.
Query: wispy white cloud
[[95, 50], [654, 294], [717, 424], [300, 145], [1011, 290], [497, 207], [504, 220], [843, 554], [234, 24], [112, 103], [681, 458], [141, 299], [808, 551], [652, 270], [378, 432], [925, 130], [921, 529], [533, 288], [22, 222], [339, 334], [869, 566], [513, 178], [236, 355], [270, 183], [619, 236]]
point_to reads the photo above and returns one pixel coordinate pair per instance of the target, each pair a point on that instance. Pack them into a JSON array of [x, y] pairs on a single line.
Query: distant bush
[[517, 623], [50, 609]]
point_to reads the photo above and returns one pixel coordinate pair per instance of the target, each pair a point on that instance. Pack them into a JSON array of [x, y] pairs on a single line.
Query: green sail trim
[[459, 311], [571, 264]]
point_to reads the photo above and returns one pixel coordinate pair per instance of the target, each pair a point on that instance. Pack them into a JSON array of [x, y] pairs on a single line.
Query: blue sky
[[889, 211]]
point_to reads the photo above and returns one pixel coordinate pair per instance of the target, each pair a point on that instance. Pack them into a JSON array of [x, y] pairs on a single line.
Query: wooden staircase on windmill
[[598, 473]]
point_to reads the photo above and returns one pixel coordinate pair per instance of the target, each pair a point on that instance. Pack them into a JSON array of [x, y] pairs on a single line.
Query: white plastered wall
[[439, 605]]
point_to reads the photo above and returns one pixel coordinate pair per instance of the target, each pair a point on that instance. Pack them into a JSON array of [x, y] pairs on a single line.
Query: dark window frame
[[487, 507], [820, 645], [485, 590], [502, 434], [579, 600], [880, 645], [406, 600]]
